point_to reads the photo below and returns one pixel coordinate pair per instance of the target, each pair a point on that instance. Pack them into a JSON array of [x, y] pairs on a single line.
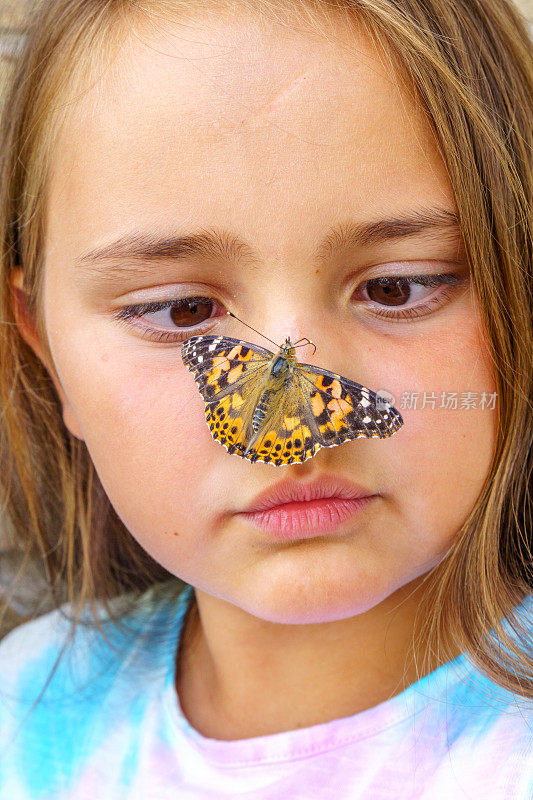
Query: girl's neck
[[219, 704]]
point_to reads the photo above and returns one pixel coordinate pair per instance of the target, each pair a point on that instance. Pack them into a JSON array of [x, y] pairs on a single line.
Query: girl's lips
[[291, 490], [303, 520]]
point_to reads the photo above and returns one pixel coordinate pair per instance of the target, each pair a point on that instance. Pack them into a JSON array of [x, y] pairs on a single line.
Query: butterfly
[[269, 407]]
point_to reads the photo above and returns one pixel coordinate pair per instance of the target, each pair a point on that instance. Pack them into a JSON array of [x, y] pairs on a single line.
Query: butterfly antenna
[[304, 342], [253, 329]]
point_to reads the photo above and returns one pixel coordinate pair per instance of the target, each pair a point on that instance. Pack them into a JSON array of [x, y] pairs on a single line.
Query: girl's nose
[[309, 327]]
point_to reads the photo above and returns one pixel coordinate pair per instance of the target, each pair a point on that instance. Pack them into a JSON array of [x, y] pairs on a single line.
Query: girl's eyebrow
[[141, 247]]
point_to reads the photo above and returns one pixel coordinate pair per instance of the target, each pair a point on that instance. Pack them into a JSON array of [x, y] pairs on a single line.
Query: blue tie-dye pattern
[[39, 777], [136, 713], [477, 703], [76, 725], [473, 708], [77, 693], [451, 735]]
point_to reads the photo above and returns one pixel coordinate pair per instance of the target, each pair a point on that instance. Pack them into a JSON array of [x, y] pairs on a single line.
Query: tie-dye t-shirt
[[110, 727]]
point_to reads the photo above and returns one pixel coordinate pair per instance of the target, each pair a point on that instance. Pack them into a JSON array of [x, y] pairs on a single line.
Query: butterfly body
[[269, 407], [279, 377]]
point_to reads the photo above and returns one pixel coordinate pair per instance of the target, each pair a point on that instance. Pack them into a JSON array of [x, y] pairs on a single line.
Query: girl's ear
[[27, 330], [24, 322]]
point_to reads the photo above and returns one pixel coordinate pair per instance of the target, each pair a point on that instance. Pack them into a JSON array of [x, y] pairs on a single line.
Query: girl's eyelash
[[127, 314], [452, 279]]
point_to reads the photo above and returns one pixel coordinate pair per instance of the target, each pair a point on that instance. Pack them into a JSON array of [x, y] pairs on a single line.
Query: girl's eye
[[399, 290], [188, 312], [185, 312]]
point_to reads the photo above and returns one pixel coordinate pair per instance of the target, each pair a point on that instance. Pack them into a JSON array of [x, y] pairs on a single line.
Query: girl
[[356, 173]]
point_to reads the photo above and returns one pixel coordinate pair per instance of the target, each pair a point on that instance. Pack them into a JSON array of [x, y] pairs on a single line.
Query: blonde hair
[[469, 63]]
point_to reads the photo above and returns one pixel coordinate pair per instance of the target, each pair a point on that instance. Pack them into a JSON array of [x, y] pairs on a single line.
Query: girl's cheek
[[152, 412], [133, 404], [146, 434]]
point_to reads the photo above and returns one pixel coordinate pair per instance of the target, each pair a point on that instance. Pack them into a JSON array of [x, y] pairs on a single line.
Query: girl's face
[[277, 136]]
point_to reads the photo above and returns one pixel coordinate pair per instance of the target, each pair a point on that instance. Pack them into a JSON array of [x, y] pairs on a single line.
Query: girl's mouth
[[305, 519]]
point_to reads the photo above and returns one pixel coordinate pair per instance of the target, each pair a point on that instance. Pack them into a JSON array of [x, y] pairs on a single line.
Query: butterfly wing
[[286, 435], [319, 409], [221, 364], [343, 409], [316, 408], [230, 374]]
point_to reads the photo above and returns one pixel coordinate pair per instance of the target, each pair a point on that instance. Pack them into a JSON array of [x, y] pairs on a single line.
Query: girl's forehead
[[175, 126]]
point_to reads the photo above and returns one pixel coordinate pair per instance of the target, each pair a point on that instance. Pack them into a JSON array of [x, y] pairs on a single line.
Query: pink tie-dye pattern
[[452, 735]]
